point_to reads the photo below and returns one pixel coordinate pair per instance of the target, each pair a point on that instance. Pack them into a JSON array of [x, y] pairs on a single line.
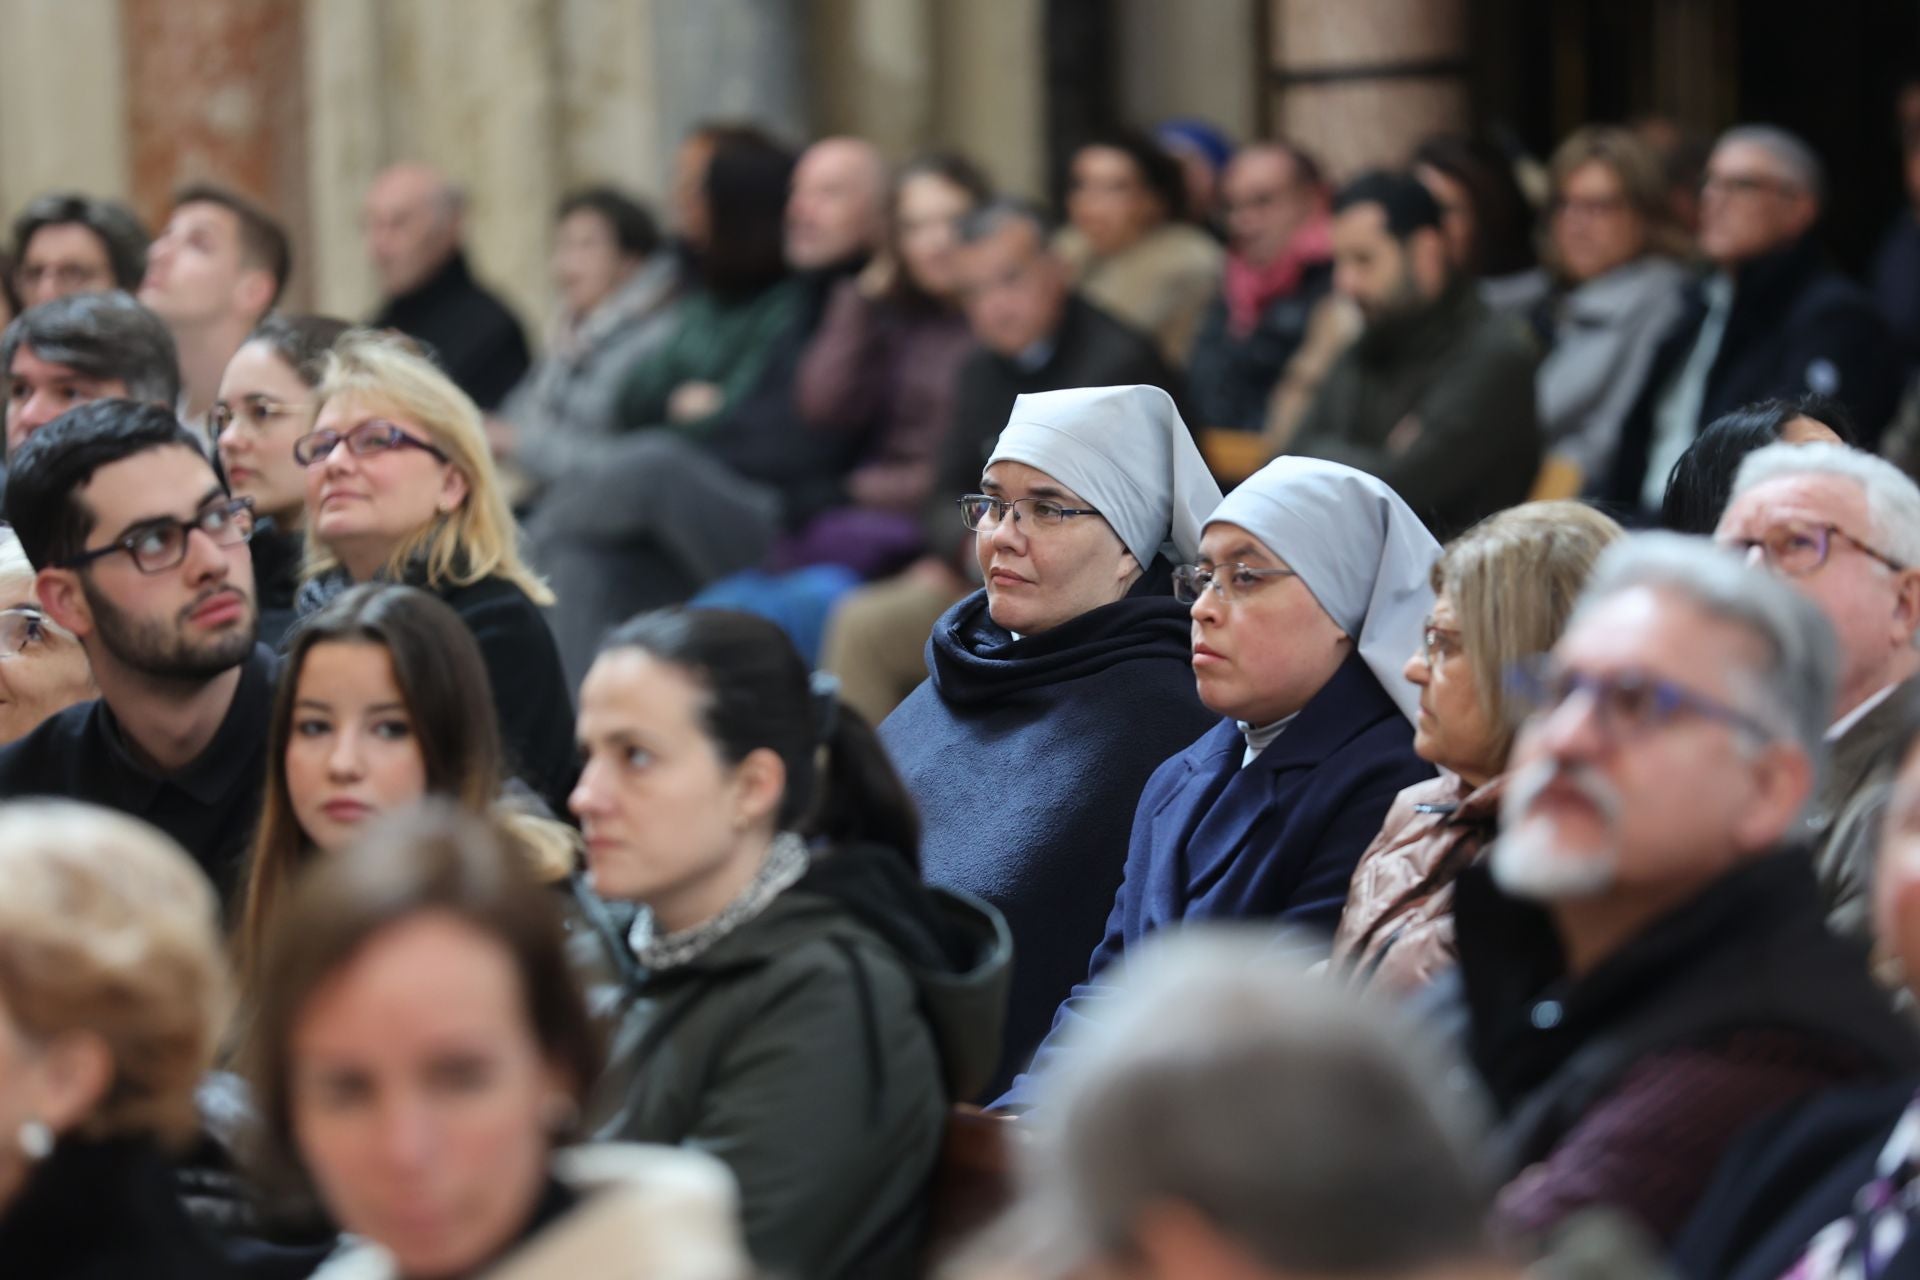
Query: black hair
[[746, 188], [633, 226], [116, 227], [759, 695], [100, 336], [989, 219], [44, 477], [1156, 165], [303, 342], [1408, 206], [1502, 215], [263, 241], [1701, 483]]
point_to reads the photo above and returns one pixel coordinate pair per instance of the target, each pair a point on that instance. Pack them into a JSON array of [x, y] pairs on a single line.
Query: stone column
[[1196, 58], [991, 94], [1359, 82], [63, 100], [217, 96]]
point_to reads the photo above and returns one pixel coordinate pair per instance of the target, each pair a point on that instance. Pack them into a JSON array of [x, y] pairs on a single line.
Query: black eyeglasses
[[1230, 581], [984, 511], [1799, 549], [1625, 706], [159, 545], [376, 435]]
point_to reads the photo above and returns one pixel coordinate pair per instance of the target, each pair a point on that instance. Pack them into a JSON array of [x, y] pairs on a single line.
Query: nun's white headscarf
[[1126, 451], [1362, 552]]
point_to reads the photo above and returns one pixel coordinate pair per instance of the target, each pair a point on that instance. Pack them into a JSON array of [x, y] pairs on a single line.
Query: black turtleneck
[[472, 334]]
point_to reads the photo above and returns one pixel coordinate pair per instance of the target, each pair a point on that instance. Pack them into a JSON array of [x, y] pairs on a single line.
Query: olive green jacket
[[816, 1050]]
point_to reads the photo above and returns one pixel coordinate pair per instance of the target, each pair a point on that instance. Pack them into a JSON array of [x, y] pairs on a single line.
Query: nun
[[1310, 588], [1055, 691]]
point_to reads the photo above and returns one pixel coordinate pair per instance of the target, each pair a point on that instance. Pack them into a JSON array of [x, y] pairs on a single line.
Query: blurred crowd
[[1274, 725]]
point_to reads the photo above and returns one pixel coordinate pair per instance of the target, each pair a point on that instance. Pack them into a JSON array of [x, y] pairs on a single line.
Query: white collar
[[1859, 713]]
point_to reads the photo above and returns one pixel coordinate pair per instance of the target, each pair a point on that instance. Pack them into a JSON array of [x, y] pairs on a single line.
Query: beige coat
[[1159, 285]]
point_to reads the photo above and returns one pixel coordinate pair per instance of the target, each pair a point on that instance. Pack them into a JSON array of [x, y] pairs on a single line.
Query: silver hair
[[1323, 1135], [1801, 161], [1893, 500], [1793, 693]]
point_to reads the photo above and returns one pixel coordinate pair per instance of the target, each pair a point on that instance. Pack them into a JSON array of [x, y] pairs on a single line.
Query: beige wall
[[1190, 58], [63, 111]]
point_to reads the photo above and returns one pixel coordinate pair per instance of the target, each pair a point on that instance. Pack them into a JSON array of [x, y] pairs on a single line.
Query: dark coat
[[1275, 840], [817, 1050], [1440, 405], [1790, 1177], [104, 1211], [1749, 954], [1090, 349], [1231, 378], [1795, 326], [471, 333], [1027, 758], [277, 555]]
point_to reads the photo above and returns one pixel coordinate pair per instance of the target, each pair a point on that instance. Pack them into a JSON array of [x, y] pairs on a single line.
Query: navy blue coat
[[1276, 840], [1027, 758]]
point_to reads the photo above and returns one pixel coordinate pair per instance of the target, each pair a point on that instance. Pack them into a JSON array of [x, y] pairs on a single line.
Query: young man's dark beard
[[161, 650]]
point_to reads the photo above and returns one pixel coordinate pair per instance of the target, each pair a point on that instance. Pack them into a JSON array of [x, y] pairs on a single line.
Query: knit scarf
[[1248, 288], [786, 862]]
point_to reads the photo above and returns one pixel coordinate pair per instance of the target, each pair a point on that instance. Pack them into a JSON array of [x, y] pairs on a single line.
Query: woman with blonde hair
[[112, 992], [382, 701], [1617, 263], [1503, 590], [401, 487]]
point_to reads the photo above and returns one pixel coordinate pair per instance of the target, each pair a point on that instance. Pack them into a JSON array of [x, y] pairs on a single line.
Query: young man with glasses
[[1643, 959], [141, 552], [86, 346], [1768, 317], [1843, 529]]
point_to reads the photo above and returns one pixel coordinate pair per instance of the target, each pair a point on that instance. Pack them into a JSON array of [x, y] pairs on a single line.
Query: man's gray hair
[[1789, 150], [992, 217], [1793, 692], [100, 336], [1893, 500], [1321, 1134]]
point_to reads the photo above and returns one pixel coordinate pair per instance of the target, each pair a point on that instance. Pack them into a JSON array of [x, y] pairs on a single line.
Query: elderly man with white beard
[[1643, 959]]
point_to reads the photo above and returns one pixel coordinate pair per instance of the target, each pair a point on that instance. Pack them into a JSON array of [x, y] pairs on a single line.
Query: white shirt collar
[[1859, 713]]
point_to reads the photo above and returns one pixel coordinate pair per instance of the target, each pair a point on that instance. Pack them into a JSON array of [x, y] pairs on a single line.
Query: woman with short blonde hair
[[401, 487], [112, 992], [1503, 592]]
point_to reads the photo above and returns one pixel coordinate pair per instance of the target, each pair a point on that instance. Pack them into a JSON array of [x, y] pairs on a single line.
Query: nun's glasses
[[983, 511], [1231, 581]]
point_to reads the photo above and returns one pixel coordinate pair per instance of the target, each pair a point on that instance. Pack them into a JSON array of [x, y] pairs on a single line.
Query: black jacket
[[277, 554], [1792, 1175], [103, 1211], [1059, 732], [1795, 326], [1231, 378], [472, 334], [1090, 349], [1750, 952]]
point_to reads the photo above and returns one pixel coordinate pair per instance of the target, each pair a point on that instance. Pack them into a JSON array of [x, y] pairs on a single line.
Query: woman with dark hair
[[1701, 482], [1485, 216], [266, 402], [617, 285], [798, 1003], [423, 1050], [383, 700], [732, 184], [1128, 242]]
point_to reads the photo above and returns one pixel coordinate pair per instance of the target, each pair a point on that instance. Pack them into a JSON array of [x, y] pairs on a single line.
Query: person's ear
[[253, 292], [1783, 782], [70, 1079], [759, 783], [64, 600], [1906, 605], [453, 489]]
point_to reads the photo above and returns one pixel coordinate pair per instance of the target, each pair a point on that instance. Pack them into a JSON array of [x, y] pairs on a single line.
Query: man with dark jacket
[[1279, 268], [1035, 334], [414, 220], [1644, 960], [1436, 395], [1769, 318]]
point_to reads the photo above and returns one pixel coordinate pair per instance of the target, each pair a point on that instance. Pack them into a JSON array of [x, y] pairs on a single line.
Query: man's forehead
[[1808, 495], [28, 364], [1660, 630]]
